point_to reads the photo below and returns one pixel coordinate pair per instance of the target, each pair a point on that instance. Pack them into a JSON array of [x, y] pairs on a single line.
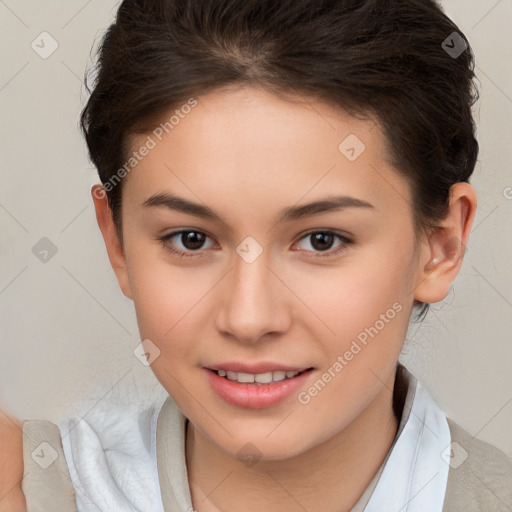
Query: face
[[236, 284]]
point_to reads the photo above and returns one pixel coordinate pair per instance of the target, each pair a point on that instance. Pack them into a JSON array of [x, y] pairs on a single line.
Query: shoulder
[[46, 481], [12, 498], [480, 475]]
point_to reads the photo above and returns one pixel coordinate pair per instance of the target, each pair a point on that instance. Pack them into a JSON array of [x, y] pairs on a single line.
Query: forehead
[[251, 147]]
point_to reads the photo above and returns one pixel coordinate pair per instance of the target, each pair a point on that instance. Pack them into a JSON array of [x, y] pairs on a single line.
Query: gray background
[[67, 332]]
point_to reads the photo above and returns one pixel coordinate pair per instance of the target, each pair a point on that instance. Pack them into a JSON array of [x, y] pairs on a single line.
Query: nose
[[253, 302]]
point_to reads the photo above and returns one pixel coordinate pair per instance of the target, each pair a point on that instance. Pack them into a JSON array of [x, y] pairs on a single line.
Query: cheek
[[170, 304], [156, 285], [352, 294], [363, 311], [358, 309]]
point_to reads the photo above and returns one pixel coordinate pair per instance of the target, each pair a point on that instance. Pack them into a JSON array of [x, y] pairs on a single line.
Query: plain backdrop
[[68, 333]]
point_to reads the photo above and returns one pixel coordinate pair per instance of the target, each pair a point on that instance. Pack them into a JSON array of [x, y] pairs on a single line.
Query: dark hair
[[395, 61]]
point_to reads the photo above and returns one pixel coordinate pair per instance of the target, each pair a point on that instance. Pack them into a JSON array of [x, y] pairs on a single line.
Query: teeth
[[263, 378], [279, 375], [260, 378], [245, 377]]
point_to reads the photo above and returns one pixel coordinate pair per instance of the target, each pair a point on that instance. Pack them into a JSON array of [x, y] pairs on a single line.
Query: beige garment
[[482, 483], [46, 482]]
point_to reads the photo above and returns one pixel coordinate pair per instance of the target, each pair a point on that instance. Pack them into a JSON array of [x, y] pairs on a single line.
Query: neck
[[330, 477]]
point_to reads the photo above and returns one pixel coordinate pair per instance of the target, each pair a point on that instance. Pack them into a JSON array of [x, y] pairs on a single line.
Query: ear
[[442, 254], [114, 247]]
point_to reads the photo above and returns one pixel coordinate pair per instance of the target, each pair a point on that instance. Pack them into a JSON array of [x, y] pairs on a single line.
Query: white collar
[[415, 473]]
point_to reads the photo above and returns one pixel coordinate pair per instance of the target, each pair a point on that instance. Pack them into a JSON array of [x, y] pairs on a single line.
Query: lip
[[263, 367], [256, 396]]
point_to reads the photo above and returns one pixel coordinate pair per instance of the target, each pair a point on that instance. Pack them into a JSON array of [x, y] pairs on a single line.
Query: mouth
[[256, 386], [263, 378]]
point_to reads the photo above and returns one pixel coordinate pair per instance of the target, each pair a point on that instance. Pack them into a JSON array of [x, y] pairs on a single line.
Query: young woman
[[284, 183]]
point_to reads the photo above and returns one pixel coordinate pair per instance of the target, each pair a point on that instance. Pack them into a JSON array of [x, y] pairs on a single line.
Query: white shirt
[[112, 458]]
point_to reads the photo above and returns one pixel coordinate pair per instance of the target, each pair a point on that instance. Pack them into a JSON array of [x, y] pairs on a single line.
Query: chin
[[251, 446]]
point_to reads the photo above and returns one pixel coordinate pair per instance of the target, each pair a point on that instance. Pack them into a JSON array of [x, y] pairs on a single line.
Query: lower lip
[[255, 396]]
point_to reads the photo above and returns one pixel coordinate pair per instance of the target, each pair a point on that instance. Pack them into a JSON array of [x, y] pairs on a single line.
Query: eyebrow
[[328, 204]]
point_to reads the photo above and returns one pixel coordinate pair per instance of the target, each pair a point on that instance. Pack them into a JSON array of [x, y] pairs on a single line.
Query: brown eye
[[191, 241], [322, 241]]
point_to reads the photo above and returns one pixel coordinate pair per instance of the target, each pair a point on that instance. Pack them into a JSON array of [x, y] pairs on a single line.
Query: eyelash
[[343, 247]]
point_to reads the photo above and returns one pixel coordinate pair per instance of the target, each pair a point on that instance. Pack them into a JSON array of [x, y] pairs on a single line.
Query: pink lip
[[256, 368], [255, 396]]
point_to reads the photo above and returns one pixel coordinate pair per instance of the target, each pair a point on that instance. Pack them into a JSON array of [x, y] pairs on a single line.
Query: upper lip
[[256, 368]]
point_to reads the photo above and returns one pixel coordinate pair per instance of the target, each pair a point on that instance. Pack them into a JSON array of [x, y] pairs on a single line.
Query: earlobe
[[113, 245], [441, 258]]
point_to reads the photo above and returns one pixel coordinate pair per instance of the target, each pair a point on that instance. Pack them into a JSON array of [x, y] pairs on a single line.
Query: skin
[[247, 154], [11, 464]]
